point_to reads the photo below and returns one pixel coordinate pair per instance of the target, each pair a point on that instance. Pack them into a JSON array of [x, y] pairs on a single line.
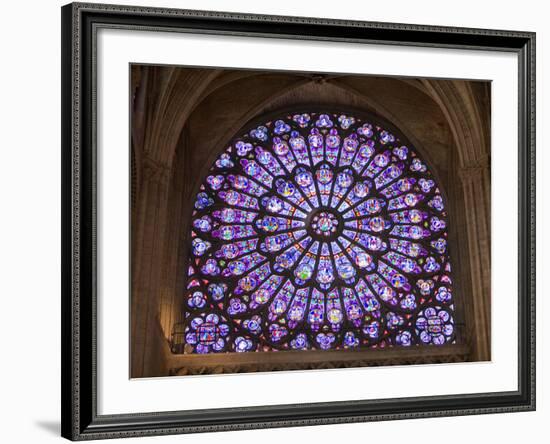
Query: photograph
[[293, 217], [285, 220]]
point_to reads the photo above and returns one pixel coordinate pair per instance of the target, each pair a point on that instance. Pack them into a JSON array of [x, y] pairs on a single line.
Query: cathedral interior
[[398, 241]]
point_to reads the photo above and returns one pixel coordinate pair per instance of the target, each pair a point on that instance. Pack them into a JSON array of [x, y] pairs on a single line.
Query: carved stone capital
[[154, 171], [474, 170], [470, 172]]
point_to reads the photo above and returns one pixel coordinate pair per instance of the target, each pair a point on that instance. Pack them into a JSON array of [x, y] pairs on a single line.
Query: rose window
[[318, 231]]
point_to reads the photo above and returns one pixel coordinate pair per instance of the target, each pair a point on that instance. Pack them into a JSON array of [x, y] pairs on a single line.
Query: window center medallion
[[324, 224]]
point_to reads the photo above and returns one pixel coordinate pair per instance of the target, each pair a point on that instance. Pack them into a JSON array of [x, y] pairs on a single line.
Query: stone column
[[148, 238], [477, 207], [179, 211]]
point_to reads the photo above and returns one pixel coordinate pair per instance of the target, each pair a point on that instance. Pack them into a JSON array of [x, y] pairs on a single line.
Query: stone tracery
[[318, 231]]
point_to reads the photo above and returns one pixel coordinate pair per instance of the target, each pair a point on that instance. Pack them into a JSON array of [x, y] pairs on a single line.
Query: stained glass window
[[318, 231]]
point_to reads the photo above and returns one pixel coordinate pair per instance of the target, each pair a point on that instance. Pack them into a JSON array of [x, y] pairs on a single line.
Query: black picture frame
[[79, 385]]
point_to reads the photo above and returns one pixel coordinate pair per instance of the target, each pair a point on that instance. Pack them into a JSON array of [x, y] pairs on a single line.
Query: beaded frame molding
[[80, 22]]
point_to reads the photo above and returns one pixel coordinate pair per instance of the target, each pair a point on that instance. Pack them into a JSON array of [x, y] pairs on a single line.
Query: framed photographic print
[[277, 221]]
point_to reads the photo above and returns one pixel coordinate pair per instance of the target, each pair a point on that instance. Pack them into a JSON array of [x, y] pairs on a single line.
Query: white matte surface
[[118, 394]]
